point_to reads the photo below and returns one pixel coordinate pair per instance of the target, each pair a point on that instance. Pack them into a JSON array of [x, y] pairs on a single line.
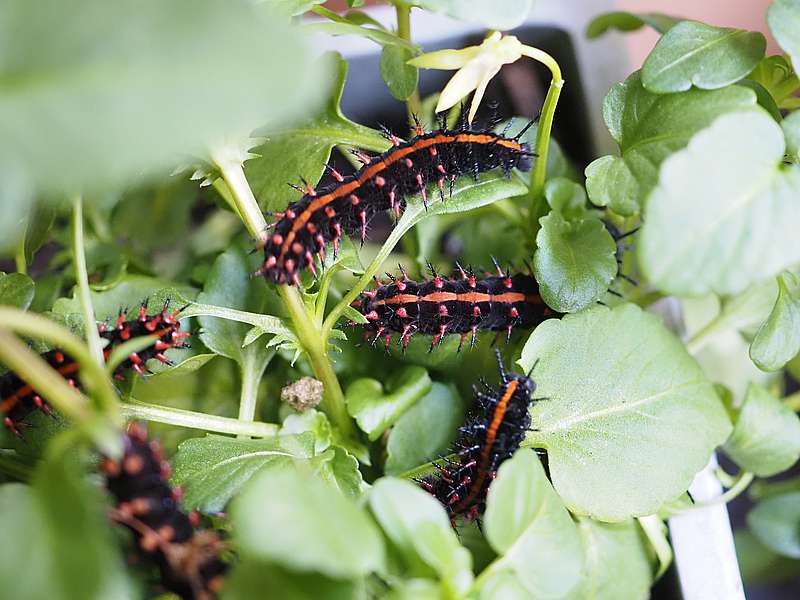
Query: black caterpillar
[[461, 305], [494, 430], [188, 559], [19, 399], [383, 183]]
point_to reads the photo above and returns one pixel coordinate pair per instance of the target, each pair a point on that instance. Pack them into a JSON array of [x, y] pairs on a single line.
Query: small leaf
[[418, 528], [723, 232], [766, 437], [339, 468], [16, 289], [566, 197], [424, 431], [693, 53], [494, 15], [630, 416], [214, 468], [783, 17], [304, 524], [376, 411], [400, 78], [574, 262], [528, 526], [303, 150], [628, 21], [778, 339], [39, 224], [259, 579], [649, 128], [775, 521]]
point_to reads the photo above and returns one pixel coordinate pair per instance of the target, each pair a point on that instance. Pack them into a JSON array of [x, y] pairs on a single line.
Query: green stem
[[82, 283], [251, 377], [744, 479], [241, 196], [655, 531], [32, 369], [314, 342], [35, 326], [195, 420], [413, 102], [543, 131], [19, 258]]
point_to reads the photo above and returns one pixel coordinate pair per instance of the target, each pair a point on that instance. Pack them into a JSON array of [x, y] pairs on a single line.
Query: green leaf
[[420, 532], [303, 150], [778, 339], [304, 524], [630, 416], [528, 526], [214, 468], [775, 521], [494, 15], [566, 197], [42, 524], [400, 78], [355, 24], [257, 579], [86, 111], [724, 212], [766, 437], [783, 17], [16, 289], [759, 564], [648, 128], [40, 222], [693, 53], [574, 262], [425, 430], [628, 21], [339, 468], [763, 97], [791, 131], [617, 561], [375, 410], [294, 7]]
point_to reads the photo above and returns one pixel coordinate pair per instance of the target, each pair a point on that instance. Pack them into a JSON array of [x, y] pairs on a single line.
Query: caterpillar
[[187, 558], [383, 183], [494, 429], [18, 399], [461, 305]]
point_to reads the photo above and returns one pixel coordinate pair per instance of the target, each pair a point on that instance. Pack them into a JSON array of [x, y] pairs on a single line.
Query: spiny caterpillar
[[187, 558], [462, 305], [383, 183], [18, 399], [494, 429]]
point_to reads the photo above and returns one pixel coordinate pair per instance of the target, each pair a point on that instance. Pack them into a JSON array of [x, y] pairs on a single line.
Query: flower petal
[[446, 60]]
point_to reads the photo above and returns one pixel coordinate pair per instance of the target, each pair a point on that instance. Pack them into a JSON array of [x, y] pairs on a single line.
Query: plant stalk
[[413, 102], [82, 283], [195, 420], [249, 394]]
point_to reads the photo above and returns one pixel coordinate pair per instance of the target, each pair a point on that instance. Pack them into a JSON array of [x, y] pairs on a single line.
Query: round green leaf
[[628, 21], [630, 418], [574, 261], [495, 15], [16, 289], [776, 523], [725, 211], [648, 128], [376, 411], [424, 431], [693, 53], [617, 562], [566, 197], [766, 437], [528, 526], [302, 523], [420, 532], [783, 17], [214, 468], [778, 339], [400, 78], [86, 111]]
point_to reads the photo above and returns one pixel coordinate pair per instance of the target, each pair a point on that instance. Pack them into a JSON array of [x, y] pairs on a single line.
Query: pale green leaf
[[775, 521]]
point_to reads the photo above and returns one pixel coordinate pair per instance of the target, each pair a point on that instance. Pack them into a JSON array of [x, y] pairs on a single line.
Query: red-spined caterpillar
[[383, 183], [461, 305], [494, 429], [18, 399], [187, 558]]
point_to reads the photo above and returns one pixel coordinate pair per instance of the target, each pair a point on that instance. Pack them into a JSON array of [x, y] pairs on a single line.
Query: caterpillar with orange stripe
[[188, 558], [495, 427], [383, 183], [462, 305], [18, 399]]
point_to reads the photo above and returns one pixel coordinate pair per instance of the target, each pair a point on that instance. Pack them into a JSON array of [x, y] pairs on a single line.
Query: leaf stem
[[655, 531], [19, 258], [543, 131], [195, 420], [413, 103], [744, 479], [251, 371], [241, 196], [82, 283]]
